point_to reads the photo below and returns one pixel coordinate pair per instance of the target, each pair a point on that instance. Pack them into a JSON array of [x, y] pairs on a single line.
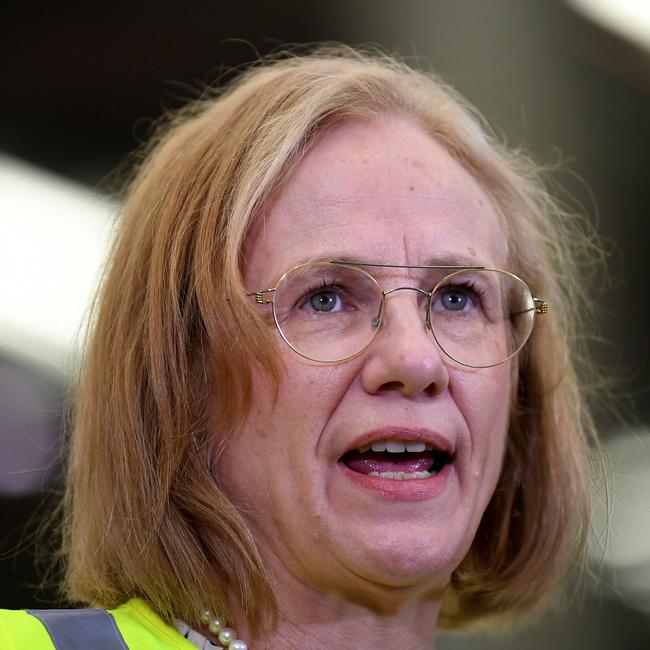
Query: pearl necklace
[[226, 635]]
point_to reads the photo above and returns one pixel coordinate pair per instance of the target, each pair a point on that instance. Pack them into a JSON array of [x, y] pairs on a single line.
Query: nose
[[404, 356]]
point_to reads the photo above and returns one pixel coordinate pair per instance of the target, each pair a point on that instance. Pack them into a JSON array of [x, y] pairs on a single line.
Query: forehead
[[376, 191]]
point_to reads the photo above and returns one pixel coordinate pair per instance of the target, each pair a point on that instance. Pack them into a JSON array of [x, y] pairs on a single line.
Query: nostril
[[432, 389], [390, 386]]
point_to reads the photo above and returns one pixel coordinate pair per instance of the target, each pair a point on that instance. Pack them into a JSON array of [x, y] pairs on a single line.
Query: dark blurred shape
[[78, 78], [28, 566], [31, 404]]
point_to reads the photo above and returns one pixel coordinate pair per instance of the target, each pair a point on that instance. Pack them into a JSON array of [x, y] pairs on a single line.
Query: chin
[[407, 560]]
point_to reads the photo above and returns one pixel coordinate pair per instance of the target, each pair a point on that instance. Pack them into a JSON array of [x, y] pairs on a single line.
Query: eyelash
[[315, 288], [322, 284], [468, 285]]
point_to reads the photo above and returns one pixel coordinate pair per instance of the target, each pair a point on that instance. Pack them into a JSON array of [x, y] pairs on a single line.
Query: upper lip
[[437, 440]]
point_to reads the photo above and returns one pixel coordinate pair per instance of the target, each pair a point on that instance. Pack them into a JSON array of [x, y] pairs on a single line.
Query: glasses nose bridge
[[386, 293], [417, 290]]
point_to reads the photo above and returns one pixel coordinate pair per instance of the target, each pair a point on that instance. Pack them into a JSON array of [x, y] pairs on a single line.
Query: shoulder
[[21, 631], [143, 629], [139, 627]]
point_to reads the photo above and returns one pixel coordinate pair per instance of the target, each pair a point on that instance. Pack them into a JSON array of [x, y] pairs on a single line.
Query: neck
[[314, 621]]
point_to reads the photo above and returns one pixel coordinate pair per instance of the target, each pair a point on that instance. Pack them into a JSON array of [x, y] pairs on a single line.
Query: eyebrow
[[444, 261], [441, 261], [448, 264]]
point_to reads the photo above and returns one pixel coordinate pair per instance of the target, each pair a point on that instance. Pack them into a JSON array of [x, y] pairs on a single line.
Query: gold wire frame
[[540, 305]]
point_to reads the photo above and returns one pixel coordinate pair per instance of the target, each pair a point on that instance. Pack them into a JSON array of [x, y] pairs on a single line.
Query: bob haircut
[[165, 380]]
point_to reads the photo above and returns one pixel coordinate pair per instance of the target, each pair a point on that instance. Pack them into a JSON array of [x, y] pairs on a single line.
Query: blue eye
[[325, 301], [454, 300]]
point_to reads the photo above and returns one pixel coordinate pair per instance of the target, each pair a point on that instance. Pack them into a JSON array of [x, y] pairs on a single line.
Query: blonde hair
[[173, 337]]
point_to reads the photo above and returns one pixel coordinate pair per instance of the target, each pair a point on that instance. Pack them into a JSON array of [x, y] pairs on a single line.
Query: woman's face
[[377, 191]]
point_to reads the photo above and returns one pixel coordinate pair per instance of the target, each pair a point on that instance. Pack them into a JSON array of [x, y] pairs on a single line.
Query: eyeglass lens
[[328, 312]]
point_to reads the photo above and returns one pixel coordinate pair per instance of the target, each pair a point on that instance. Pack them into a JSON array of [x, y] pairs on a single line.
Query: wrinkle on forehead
[[351, 195]]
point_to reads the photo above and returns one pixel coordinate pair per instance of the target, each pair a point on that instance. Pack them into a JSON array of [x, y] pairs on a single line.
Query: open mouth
[[399, 460]]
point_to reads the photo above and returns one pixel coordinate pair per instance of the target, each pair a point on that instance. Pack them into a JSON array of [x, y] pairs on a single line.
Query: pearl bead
[[238, 644], [214, 626], [227, 636]]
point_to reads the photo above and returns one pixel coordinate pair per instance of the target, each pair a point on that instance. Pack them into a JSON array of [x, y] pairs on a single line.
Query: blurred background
[[80, 87]]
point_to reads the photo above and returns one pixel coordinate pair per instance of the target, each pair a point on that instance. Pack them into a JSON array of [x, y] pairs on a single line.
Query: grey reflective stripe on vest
[[80, 629]]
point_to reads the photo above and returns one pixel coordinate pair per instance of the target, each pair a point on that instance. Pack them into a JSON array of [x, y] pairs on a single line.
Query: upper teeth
[[396, 446]]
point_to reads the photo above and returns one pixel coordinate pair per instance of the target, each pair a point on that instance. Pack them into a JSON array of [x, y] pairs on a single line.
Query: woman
[[328, 399]]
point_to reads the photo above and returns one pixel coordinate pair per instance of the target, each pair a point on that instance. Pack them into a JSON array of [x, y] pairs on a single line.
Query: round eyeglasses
[[331, 311]]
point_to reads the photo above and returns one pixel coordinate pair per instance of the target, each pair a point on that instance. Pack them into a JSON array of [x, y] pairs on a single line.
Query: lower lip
[[418, 489]]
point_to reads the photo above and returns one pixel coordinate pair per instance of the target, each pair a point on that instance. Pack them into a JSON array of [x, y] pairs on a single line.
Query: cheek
[[309, 395], [284, 428], [486, 400]]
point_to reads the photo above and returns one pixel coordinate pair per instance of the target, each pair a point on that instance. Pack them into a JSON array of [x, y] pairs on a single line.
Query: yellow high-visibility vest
[[134, 627]]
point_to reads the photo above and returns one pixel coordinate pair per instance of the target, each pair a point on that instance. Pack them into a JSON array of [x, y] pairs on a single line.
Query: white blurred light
[[54, 236], [628, 539], [628, 18]]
